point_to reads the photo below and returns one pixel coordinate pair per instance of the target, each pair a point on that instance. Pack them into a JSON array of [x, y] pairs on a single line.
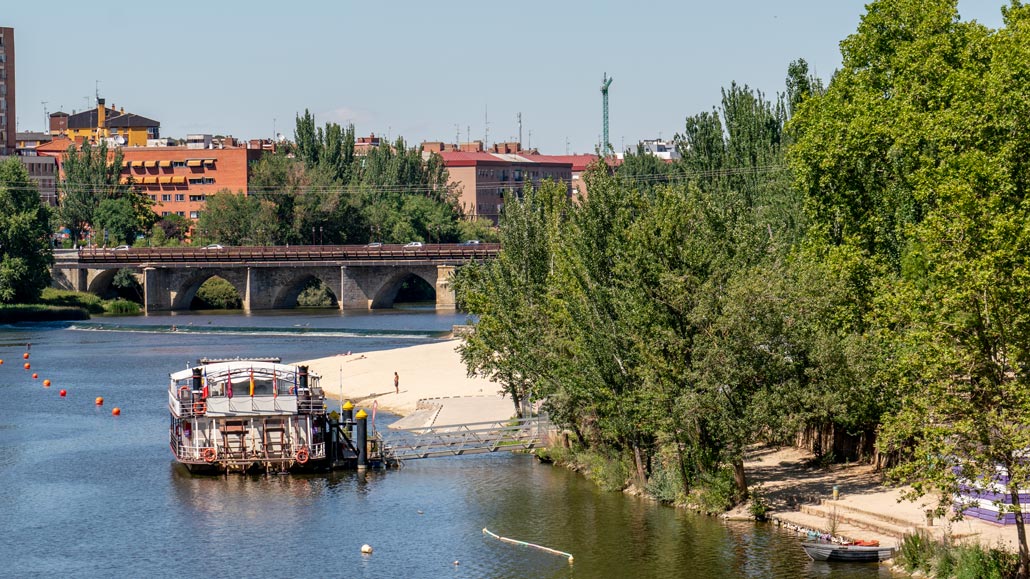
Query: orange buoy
[[35, 376], [27, 365], [25, 355], [46, 383], [63, 393], [100, 400], [116, 411], [1, 362]]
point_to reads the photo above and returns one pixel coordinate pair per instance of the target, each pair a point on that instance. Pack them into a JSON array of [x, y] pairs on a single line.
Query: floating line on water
[[525, 544]]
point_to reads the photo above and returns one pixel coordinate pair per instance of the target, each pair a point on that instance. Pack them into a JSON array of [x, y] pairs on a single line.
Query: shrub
[[217, 294], [715, 491], [609, 472], [55, 297], [759, 507], [665, 482], [120, 306], [10, 314]]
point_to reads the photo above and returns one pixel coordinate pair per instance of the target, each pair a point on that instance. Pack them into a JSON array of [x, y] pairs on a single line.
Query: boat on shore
[[847, 553], [250, 415]]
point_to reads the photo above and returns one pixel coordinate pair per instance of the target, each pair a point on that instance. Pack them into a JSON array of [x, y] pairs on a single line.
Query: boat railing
[[195, 452], [314, 406]]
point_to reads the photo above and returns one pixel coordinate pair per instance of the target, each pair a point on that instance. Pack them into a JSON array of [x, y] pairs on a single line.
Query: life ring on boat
[[208, 454], [199, 407], [184, 392], [302, 455]]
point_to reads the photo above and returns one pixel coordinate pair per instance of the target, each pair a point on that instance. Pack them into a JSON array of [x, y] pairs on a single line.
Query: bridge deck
[[472, 438], [271, 254]]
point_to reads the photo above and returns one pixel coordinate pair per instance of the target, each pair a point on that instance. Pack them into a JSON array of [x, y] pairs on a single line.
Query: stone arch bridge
[[360, 277]]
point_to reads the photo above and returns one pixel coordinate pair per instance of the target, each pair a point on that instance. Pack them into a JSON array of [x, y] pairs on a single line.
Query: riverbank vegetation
[[845, 263]]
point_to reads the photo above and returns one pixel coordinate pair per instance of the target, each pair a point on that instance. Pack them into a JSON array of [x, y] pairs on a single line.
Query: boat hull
[[847, 553]]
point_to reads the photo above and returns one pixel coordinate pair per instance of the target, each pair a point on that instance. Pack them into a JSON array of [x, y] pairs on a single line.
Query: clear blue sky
[[422, 70]]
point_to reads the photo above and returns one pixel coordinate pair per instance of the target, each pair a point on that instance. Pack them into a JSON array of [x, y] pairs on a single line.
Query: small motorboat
[[849, 553]]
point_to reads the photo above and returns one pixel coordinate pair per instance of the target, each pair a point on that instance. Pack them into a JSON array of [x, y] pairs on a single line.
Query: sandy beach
[[425, 371]]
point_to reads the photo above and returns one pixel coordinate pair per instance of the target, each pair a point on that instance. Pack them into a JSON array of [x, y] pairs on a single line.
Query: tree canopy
[[25, 246]]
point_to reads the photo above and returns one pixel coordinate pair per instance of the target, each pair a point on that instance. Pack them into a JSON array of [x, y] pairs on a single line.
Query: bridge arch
[[290, 291], [186, 290], [386, 293], [101, 282]]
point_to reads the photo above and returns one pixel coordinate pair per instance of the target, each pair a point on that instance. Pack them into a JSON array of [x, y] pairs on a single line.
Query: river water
[[87, 494]]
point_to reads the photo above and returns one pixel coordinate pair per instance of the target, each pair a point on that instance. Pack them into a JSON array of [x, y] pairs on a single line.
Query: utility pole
[[486, 125], [605, 145], [520, 129], [46, 119]]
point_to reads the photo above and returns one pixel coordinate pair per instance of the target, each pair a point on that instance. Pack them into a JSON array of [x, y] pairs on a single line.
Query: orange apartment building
[[179, 179]]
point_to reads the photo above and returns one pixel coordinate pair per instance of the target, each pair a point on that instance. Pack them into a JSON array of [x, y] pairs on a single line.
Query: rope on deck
[[525, 544]]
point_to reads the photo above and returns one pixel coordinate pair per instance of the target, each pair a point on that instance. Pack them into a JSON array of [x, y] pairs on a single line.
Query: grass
[[14, 313], [943, 560]]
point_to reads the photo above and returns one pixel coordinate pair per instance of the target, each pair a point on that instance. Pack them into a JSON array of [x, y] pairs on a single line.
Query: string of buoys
[[532, 545], [63, 393]]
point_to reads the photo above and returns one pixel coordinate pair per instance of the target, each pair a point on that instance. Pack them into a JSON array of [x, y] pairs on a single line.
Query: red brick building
[[179, 179], [8, 116]]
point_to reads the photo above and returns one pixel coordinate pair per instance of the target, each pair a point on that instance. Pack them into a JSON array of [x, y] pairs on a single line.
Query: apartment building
[[8, 117], [105, 122], [179, 179], [484, 180]]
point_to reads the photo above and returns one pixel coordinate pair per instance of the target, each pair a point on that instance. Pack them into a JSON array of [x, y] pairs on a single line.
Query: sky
[[427, 71]]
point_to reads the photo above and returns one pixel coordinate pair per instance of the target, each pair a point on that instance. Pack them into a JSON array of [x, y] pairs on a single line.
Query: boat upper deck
[[244, 387]]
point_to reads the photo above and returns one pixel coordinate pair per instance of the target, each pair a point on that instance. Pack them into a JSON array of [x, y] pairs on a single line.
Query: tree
[[115, 218], [232, 219], [92, 175], [914, 162], [25, 248]]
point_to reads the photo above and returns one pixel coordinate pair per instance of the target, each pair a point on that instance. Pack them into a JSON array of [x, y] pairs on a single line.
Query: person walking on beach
[[396, 383]]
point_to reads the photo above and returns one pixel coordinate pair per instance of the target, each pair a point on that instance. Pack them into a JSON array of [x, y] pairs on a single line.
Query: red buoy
[[63, 393], [100, 400], [1, 362], [34, 375], [25, 355], [116, 411], [27, 365], [46, 383]]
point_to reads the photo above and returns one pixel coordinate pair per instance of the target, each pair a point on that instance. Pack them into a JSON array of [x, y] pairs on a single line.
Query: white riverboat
[[240, 415]]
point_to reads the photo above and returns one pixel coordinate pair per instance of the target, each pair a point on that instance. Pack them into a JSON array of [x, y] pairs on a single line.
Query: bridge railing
[[390, 252], [472, 438]]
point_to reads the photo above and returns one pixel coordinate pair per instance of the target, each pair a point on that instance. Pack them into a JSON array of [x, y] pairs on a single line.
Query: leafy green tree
[[91, 175], [116, 222], [231, 218], [169, 230], [25, 248]]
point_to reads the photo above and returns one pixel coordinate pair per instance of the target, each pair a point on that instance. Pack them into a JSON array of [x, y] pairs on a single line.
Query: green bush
[[315, 295], [916, 552], [665, 482], [715, 491], [217, 294], [759, 506], [55, 297], [10, 314], [119, 306], [610, 472], [976, 562]]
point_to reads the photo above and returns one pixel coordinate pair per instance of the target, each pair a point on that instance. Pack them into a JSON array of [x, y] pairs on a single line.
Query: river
[[88, 494]]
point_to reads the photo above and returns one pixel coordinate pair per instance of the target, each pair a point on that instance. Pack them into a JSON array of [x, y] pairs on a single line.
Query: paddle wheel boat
[[242, 415]]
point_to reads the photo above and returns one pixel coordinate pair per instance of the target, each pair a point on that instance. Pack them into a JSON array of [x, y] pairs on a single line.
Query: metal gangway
[[472, 438]]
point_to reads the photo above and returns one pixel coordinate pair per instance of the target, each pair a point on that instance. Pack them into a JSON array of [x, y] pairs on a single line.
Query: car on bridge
[[413, 245], [375, 244], [470, 242], [213, 246], [121, 248]]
